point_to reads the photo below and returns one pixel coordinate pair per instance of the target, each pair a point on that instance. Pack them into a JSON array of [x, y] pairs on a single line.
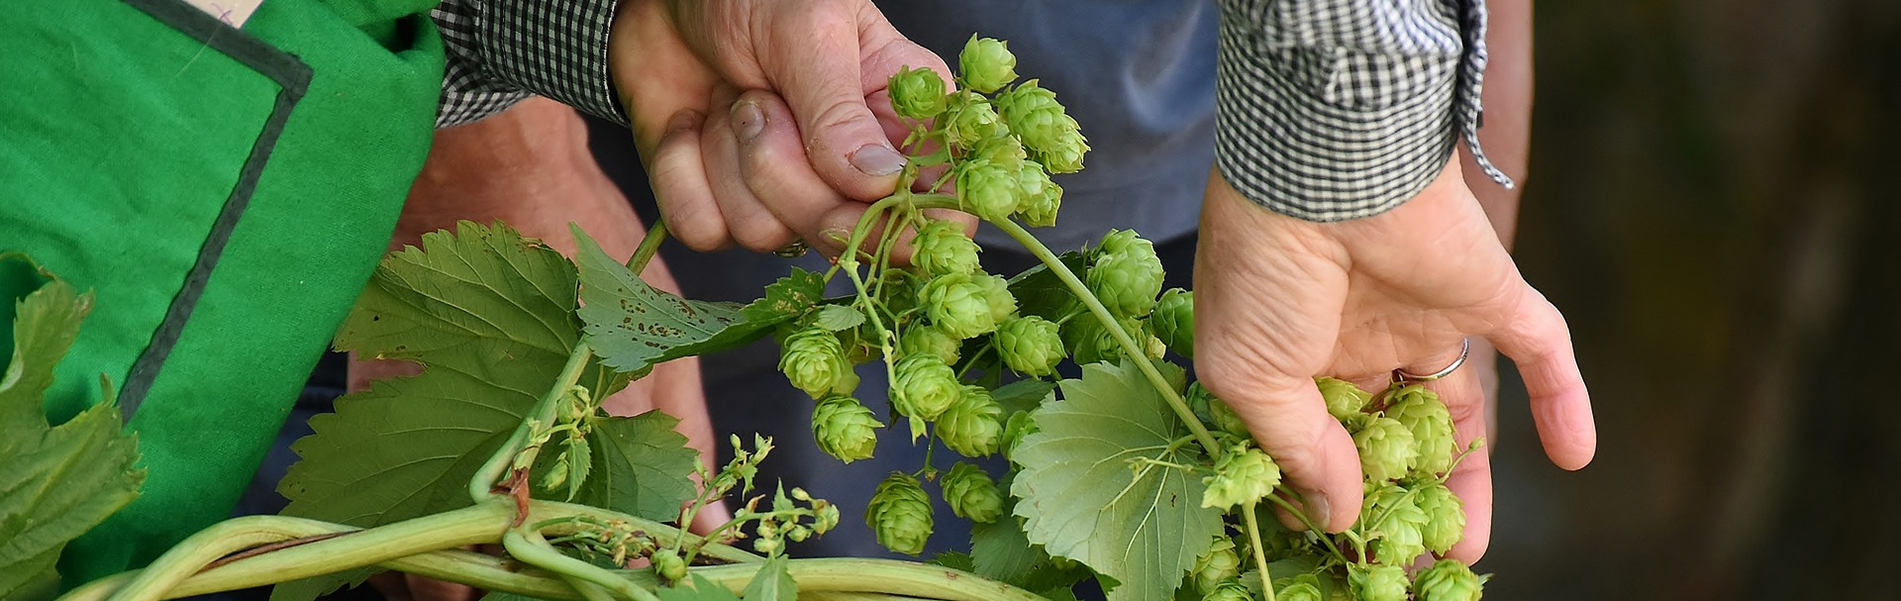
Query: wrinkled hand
[[730, 161], [1280, 301]]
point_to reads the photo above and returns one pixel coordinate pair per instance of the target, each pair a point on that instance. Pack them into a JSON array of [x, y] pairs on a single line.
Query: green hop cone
[[941, 247], [987, 189], [1173, 321], [924, 387], [1126, 275], [959, 306], [1448, 580], [1445, 516], [1005, 151], [1344, 400], [1089, 342], [1377, 582], [1242, 475], [973, 427], [669, 565], [917, 93], [1003, 303], [973, 120], [1040, 198], [987, 64], [1220, 415], [1053, 137], [1386, 449], [814, 361], [928, 340], [1030, 345], [844, 428], [1396, 525], [971, 493], [1220, 564], [1304, 587], [1014, 429], [1067, 156], [1431, 424], [1231, 590], [900, 513]]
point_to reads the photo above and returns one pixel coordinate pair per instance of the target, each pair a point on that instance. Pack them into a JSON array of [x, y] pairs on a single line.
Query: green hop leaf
[[1445, 516], [814, 361], [973, 119], [1030, 345], [1231, 590], [917, 93], [927, 340], [1242, 475], [900, 513], [1448, 580], [1344, 400], [959, 306], [1173, 321], [925, 387], [987, 189], [1304, 587], [1394, 522], [942, 248], [1220, 564], [1386, 449], [987, 64], [971, 493], [845, 428], [630, 324], [838, 318], [974, 426], [1420, 410], [1377, 582], [1128, 279]]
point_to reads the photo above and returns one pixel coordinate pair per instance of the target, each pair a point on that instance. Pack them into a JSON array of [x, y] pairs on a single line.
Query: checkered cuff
[[501, 51], [1331, 110]]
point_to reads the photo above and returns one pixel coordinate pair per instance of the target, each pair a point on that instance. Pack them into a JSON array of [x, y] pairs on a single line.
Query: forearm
[[1508, 99]]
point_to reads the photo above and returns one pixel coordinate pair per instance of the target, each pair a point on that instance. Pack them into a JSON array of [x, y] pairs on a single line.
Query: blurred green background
[[1712, 202]]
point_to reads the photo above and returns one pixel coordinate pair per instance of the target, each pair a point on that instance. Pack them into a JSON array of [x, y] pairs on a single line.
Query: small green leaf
[[1039, 292], [56, 482], [1088, 490], [838, 318], [633, 326], [772, 583], [701, 590], [956, 560], [1023, 395], [640, 466]]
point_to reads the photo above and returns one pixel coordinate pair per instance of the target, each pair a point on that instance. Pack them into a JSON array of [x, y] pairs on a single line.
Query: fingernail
[[748, 120], [1317, 507], [874, 159]]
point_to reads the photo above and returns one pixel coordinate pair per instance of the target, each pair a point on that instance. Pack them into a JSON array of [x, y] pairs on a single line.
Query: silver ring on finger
[[1465, 349]]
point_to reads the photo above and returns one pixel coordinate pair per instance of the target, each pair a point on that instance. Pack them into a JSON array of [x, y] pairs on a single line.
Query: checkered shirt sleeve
[[501, 51], [1329, 110]]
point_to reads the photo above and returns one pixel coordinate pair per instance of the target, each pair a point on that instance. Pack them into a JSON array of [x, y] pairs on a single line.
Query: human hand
[[749, 168], [1280, 301]]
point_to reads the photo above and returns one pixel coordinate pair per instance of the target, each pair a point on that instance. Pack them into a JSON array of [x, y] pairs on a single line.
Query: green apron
[[225, 193]]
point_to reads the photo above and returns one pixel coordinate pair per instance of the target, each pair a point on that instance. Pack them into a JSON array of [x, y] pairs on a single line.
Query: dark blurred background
[[1712, 202]]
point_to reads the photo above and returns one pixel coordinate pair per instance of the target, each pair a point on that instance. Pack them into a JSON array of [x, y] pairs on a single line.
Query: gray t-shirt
[[1139, 75]]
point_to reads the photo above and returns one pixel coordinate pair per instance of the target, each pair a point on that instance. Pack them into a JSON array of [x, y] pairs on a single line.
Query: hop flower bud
[[1445, 516], [1231, 590], [1030, 345], [973, 119], [1242, 475], [826, 518], [1220, 564], [767, 546], [900, 513], [845, 428], [1015, 429], [917, 93], [1126, 275], [958, 306], [814, 361], [971, 493], [1003, 304], [973, 427], [988, 189], [1448, 580], [1344, 400], [927, 340], [1173, 321], [1220, 415], [924, 387], [669, 565], [1419, 409], [987, 64], [1386, 449], [1304, 587], [1039, 210], [1395, 525], [941, 247], [798, 534], [1378, 583]]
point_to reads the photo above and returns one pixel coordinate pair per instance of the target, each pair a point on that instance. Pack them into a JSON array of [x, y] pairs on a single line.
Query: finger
[[680, 186], [773, 160], [1537, 340], [1471, 481], [1289, 419], [752, 225]]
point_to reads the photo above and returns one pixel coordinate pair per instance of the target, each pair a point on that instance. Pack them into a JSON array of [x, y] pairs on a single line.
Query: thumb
[[1289, 419]]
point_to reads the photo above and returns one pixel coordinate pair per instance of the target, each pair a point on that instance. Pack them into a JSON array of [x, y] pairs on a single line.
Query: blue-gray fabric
[[1138, 75]]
